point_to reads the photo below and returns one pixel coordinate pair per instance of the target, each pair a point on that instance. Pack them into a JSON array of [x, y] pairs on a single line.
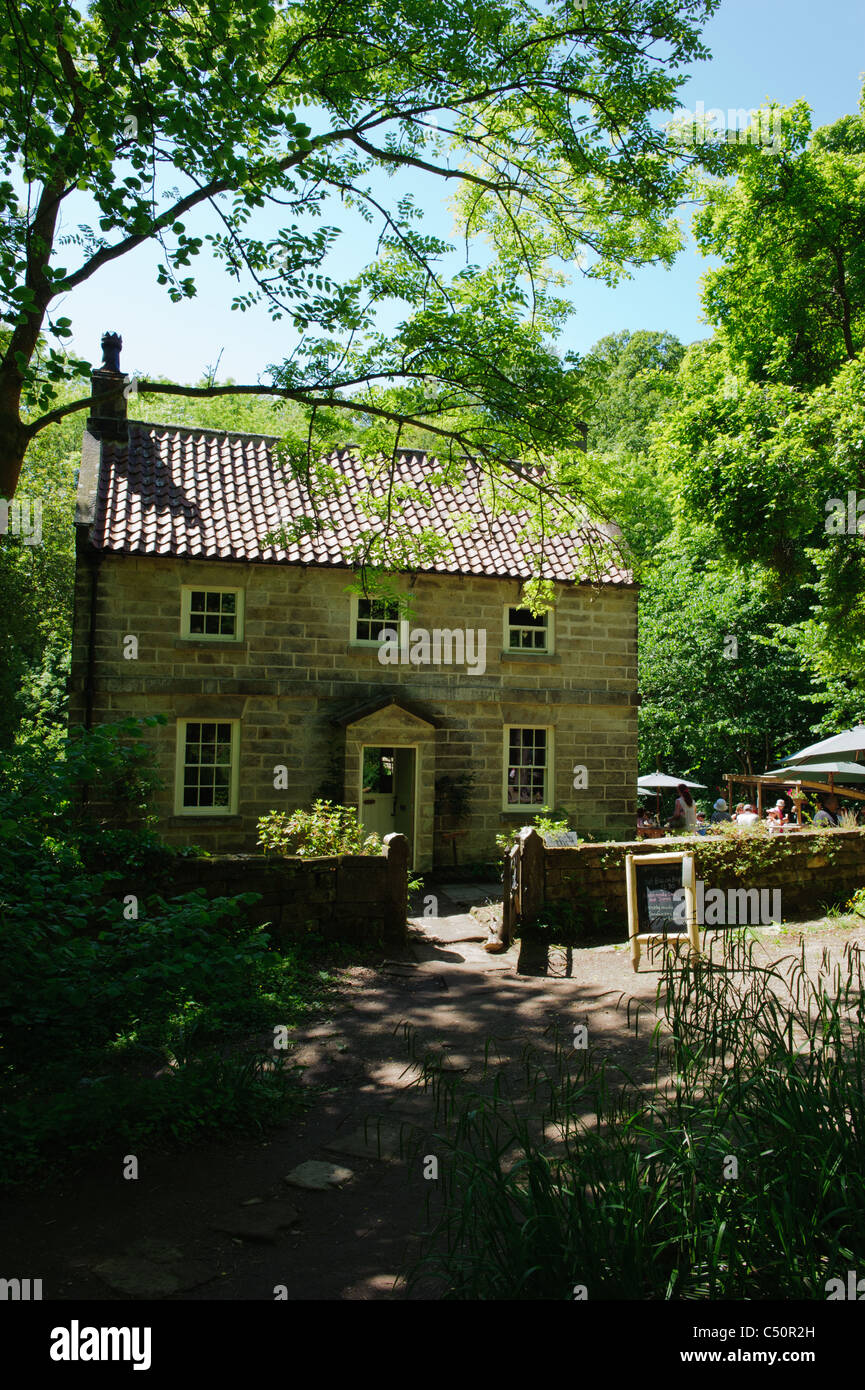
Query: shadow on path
[[223, 1213]]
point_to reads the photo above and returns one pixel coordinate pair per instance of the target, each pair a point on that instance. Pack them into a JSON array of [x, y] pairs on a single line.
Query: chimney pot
[[108, 412], [111, 345]]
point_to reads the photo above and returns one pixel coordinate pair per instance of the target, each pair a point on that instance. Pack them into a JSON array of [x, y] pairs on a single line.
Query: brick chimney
[[108, 412]]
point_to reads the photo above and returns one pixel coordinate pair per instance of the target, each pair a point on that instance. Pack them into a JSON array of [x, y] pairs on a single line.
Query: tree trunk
[[14, 437], [841, 291], [22, 344]]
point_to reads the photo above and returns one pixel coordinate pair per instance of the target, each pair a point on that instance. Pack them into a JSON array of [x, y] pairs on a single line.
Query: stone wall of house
[[811, 868], [347, 897], [296, 679]]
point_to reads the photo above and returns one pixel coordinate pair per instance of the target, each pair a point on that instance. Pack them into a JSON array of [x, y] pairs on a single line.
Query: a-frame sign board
[[657, 908]]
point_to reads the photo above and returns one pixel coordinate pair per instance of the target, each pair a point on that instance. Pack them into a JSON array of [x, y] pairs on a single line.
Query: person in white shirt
[[747, 817], [684, 815]]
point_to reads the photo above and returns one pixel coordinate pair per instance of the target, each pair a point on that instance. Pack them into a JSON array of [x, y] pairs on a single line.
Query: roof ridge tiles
[[204, 429]]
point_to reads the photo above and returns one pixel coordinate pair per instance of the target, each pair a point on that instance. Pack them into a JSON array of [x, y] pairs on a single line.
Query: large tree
[[788, 298], [37, 569], [187, 126], [719, 692], [631, 380], [767, 434]]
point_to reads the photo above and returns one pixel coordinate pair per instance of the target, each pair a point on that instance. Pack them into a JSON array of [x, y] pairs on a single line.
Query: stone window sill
[[193, 818], [204, 642], [550, 657]]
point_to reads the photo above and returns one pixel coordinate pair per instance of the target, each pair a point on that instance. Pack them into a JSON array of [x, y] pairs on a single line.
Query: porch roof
[[358, 712]]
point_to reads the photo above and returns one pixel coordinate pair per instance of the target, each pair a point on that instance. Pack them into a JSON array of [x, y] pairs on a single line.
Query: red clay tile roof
[[206, 494]]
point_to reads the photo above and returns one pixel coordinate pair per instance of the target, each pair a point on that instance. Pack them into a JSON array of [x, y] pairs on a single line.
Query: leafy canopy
[[767, 435], [719, 693], [259, 134], [789, 297], [632, 383]]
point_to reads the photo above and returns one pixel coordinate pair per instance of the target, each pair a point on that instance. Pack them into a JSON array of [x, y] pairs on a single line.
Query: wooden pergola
[[760, 782]]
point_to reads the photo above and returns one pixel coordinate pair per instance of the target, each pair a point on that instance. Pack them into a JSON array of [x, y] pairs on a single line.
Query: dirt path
[[219, 1221]]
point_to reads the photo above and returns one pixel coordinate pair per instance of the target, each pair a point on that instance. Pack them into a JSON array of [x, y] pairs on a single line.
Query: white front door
[[388, 792]]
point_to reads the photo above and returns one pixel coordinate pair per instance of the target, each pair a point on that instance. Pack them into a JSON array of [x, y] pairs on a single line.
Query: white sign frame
[[635, 936]]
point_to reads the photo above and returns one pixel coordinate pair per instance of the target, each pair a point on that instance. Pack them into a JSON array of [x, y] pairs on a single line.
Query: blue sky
[[761, 49]]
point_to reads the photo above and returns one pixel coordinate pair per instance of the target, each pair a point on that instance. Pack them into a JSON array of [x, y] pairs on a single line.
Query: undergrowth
[[735, 1171]]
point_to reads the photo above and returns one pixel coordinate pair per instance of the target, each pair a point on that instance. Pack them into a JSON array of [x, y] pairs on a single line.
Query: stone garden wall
[[811, 868], [346, 897]]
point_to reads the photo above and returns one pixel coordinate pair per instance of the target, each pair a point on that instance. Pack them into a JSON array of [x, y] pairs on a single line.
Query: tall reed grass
[[732, 1168]]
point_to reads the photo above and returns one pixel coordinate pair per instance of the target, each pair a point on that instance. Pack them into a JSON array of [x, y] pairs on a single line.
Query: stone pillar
[[529, 852], [396, 903], [532, 887]]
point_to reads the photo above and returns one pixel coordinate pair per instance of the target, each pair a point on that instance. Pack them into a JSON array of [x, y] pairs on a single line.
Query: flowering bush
[[857, 903], [326, 829]]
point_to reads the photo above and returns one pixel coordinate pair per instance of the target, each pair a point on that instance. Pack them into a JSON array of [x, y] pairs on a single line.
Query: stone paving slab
[[315, 1176], [385, 1140], [262, 1223], [146, 1279], [150, 1248], [448, 930], [470, 892]]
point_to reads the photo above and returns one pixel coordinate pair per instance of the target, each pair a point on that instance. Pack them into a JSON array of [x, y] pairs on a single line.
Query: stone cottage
[[279, 685]]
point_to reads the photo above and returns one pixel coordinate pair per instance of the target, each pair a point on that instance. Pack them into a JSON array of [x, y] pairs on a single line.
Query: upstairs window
[[526, 633], [371, 616], [212, 614]]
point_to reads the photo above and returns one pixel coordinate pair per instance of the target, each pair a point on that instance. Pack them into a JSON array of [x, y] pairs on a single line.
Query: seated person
[[684, 815], [748, 816], [719, 811], [777, 815], [827, 814]]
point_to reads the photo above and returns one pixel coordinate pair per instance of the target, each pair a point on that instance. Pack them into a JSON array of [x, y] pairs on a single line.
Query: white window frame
[[180, 769], [524, 808], [371, 643], [186, 592], [547, 650]]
